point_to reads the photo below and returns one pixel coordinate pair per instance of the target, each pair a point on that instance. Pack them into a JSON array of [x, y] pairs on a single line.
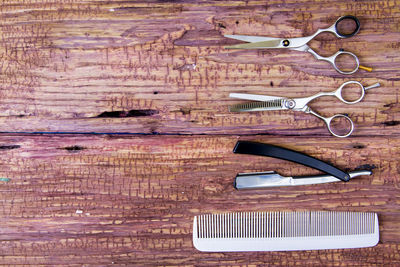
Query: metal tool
[[259, 180], [267, 103], [267, 150], [300, 44]]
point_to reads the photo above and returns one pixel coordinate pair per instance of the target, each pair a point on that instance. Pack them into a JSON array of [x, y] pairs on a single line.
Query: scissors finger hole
[[341, 126], [352, 93], [346, 63], [347, 26]]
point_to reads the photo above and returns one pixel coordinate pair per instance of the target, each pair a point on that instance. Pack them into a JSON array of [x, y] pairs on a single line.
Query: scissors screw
[[286, 42], [290, 104]]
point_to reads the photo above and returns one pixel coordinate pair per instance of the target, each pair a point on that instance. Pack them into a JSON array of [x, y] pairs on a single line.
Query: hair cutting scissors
[[266, 103], [300, 44]]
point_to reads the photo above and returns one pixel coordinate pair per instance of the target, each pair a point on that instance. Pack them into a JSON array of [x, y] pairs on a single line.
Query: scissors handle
[[332, 59], [346, 35], [330, 120], [359, 90], [347, 86], [335, 29]]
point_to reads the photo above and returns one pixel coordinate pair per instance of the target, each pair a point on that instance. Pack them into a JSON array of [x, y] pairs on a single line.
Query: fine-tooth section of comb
[[284, 231], [276, 104]]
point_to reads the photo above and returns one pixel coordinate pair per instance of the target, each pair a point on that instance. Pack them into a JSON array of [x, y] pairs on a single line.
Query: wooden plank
[[157, 68], [160, 67], [123, 199]]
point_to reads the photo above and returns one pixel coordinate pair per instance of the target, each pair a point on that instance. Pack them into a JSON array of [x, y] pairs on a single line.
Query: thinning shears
[[268, 103], [300, 44]]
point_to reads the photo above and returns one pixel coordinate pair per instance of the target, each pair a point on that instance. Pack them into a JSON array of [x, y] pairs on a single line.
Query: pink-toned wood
[[157, 71], [78, 199], [144, 67]]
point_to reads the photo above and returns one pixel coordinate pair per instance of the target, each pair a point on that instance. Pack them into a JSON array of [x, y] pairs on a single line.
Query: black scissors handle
[[347, 35]]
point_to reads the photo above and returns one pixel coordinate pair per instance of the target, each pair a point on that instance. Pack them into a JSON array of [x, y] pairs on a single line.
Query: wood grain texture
[[94, 66], [131, 200], [153, 76]]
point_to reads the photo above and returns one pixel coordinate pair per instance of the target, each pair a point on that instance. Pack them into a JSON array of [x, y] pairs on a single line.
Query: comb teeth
[[284, 224], [261, 105], [277, 231]]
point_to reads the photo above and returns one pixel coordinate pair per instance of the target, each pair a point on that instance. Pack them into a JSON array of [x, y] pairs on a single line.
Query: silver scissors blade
[[257, 45], [276, 104], [251, 39], [290, 43], [254, 97]]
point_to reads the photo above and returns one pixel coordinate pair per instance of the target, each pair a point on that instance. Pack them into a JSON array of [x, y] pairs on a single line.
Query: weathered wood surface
[[131, 200], [124, 66], [158, 71]]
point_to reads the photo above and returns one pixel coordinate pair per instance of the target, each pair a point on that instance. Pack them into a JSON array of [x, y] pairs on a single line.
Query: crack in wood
[[358, 146], [391, 123], [74, 148], [126, 114], [221, 26], [185, 111], [5, 147]]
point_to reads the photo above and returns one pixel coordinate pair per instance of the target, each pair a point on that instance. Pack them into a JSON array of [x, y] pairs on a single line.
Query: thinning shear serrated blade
[[258, 106]]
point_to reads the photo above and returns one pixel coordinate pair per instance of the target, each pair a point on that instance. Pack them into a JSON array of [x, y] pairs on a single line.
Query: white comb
[[283, 231]]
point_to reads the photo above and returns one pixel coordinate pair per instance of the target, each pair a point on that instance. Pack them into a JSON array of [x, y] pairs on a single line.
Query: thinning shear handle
[[355, 88], [253, 148], [330, 120]]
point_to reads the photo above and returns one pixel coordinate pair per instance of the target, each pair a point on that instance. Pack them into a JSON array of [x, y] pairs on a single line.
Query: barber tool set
[[291, 230]]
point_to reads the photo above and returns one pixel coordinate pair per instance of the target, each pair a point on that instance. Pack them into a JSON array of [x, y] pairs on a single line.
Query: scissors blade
[[276, 104], [250, 38], [298, 42], [255, 97], [257, 45]]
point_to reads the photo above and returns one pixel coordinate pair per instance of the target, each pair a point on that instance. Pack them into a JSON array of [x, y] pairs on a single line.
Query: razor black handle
[[254, 148]]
